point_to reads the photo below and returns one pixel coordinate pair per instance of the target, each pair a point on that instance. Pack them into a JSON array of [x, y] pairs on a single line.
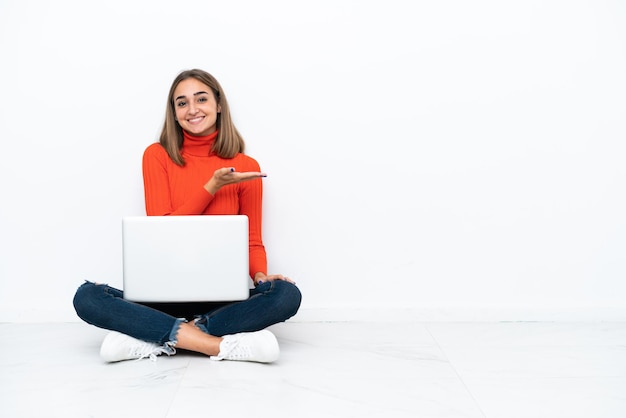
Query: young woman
[[197, 168]]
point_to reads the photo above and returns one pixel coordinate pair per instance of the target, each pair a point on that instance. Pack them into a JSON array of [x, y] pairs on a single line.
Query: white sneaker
[[117, 347], [260, 346]]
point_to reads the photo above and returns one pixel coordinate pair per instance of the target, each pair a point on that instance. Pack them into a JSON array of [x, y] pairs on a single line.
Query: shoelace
[[239, 351], [150, 350], [228, 350]]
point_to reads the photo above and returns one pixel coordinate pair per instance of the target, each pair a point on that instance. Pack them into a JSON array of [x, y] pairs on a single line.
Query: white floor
[[349, 369]]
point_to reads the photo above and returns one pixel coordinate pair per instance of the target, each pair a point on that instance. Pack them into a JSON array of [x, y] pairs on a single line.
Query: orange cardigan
[[173, 190]]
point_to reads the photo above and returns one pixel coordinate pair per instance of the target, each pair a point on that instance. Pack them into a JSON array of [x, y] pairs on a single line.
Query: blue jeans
[[104, 306]]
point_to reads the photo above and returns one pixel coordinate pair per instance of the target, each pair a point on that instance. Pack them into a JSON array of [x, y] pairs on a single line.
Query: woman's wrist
[[259, 278], [211, 187]]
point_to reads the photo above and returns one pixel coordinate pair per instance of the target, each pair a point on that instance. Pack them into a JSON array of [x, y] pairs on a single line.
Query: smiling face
[[195, 107]]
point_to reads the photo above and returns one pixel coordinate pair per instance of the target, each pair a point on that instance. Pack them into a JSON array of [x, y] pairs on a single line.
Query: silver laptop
[[185, 258]]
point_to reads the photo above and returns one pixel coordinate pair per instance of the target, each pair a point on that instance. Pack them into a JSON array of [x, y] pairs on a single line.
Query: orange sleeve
[[156, 185], [251, 205]]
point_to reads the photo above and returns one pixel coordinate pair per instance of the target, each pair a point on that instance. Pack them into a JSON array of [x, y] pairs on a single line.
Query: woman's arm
[[251, 205], [157, 187], [156, 164]]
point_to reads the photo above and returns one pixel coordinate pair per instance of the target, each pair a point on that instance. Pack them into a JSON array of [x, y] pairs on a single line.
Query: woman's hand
[[261, 278], [228, 175]]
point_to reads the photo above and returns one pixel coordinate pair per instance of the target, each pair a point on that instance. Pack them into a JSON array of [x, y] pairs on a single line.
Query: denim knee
[[87, 301], [82, 300], [288, 296]]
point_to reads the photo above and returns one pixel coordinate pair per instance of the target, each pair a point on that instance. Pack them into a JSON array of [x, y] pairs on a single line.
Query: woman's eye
[[202, 99], [181, 104]]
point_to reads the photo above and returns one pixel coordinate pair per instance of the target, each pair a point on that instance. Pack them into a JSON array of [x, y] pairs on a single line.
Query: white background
[[440, 157]]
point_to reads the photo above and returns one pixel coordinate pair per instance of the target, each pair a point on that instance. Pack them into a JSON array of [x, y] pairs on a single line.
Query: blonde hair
[[229, 141]]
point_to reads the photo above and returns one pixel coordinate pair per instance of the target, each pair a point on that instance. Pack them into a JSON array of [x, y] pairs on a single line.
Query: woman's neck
[[198, 145]]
